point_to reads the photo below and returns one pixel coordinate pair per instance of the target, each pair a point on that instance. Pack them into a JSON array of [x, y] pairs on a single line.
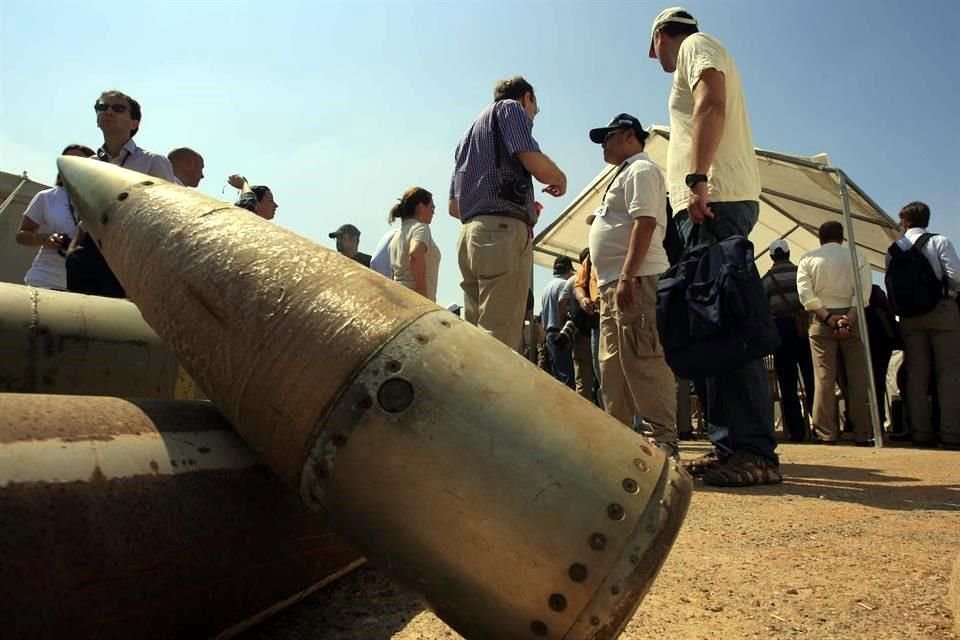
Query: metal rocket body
[[514, 507]]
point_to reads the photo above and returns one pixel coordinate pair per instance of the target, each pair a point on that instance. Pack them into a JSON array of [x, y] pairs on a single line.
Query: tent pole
[[13, 194], [861, 314]]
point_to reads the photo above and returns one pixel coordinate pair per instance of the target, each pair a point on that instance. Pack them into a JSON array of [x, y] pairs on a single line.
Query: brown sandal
[[699, 466], [743, 470]]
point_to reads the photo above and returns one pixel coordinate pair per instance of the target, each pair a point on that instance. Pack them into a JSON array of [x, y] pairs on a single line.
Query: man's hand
[[587, 305], [624, 295], [556, 190], [697, 204], [236, 181]]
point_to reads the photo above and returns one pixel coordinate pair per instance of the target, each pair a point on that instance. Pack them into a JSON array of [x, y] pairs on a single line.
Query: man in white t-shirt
[[626, 247], [714, 186], [380, 260]]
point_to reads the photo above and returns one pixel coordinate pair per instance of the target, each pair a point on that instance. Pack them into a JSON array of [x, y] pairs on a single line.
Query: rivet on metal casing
[[615, 511], [123, 196], [598, 541], [146, 183], [104, 218], [422, 339], [630, 485], [338, 439], [365, 402], [445, 323], [634, 558], [393, 366], [615, 590], [557, 602], [595, 621], [578, 572], [538, 628], [395, 395], [646, 450], [641, 465]]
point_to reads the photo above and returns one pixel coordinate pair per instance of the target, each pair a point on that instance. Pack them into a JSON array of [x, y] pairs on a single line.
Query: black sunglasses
[[100, 107]]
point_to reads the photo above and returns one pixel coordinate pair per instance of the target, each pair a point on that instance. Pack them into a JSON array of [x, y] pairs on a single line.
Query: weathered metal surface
[[517, 509], [59, 342], [145, 519]]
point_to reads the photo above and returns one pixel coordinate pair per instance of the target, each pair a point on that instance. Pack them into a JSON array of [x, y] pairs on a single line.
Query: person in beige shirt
[[414, 256], [825, 284], [714, 186]]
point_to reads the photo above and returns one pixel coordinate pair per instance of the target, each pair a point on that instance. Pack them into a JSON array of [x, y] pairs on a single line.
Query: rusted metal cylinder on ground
[[516, 508], [59, 342], [146, 519]]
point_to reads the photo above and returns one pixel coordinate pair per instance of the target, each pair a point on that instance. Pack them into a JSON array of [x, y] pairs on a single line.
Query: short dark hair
[[584, 254], [674, 29], [830, 232], [182, 152], [916, 215], [259, 191], [512, 89], [135, 112], [82, 148]]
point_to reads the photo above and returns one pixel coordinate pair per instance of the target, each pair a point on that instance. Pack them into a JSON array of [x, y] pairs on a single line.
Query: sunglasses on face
[[100, 107], [610, 134]]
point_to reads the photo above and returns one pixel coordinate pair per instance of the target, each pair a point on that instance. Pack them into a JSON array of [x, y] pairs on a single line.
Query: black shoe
[[865, 443]]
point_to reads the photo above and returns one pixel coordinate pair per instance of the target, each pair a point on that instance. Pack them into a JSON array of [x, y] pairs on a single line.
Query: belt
[[525, 219]]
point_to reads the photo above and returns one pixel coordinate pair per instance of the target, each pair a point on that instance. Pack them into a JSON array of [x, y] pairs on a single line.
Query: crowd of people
[[599, 322]]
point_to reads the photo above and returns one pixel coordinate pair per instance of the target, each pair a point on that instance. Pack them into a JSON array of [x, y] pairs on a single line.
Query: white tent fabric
[[799, 194]]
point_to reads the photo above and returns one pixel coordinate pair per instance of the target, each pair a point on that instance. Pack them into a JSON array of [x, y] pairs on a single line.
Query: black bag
[[912, 286], [712, 312]]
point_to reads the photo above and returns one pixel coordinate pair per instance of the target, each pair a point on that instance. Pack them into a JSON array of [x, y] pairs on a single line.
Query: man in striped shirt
[[491, 192]]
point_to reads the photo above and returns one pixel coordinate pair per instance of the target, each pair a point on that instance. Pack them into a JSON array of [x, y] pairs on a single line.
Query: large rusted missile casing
[[517, 509], [146, 519], [59, 342]]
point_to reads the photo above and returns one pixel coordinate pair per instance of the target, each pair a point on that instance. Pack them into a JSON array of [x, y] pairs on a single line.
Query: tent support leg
[[859, 299]]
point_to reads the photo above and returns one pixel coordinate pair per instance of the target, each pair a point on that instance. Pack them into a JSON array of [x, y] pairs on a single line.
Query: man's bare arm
[[545, 171], [709, 115], [453, 208]]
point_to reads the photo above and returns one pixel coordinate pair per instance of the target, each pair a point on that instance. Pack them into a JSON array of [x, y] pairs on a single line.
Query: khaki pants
[[826, 347], [634, 377], [583, 366], [931, 342], [495, 256]]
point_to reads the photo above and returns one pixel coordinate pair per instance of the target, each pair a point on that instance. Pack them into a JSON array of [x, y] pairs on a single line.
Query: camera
[[564, 338], [64, 243], [515, 190]]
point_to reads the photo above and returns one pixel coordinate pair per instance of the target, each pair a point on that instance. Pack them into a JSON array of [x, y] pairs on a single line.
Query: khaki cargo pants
[[634, 377]]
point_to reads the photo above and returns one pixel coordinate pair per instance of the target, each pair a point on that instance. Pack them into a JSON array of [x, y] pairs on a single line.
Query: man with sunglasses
[[118, 117], [627, 252]]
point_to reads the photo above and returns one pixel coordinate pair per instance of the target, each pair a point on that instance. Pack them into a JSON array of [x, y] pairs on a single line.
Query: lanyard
[[614, 179]]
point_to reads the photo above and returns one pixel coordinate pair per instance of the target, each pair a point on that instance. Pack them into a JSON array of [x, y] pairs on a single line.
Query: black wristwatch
[[693, 179]]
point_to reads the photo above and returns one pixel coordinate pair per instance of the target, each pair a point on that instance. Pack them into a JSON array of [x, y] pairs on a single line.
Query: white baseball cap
[[780, 244], [669, 15]]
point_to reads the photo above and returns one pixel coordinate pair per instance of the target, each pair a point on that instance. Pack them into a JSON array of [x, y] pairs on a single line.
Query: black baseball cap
[[346, 229], [620, 121]]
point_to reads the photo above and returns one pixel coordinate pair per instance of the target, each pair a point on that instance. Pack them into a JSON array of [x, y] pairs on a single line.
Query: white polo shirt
[[638, 190], [734, 175], [50, 209]]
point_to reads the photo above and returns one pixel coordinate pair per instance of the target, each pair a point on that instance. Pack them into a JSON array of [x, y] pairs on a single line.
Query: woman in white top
[[50, 223], [414, 256]]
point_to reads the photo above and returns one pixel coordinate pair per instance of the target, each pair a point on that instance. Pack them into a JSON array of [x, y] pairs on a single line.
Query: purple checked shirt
[[475, 177]]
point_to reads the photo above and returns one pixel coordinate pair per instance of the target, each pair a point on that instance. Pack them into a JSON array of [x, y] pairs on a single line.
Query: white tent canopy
[[798, 195]]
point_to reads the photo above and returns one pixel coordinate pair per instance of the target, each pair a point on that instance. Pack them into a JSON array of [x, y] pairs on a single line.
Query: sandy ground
[[856, 543]]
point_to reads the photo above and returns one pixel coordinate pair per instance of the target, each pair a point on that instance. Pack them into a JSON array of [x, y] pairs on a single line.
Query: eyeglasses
[[101, 107]]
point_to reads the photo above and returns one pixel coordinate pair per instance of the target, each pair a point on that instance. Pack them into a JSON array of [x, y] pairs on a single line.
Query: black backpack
[[712, 312], [912, 286]]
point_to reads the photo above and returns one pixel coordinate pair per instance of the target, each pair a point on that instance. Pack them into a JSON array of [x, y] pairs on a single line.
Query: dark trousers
[[89, 273], [738, 405], [794, 353]]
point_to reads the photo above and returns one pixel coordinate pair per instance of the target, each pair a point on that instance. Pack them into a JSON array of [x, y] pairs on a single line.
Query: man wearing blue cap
[[626, 248]]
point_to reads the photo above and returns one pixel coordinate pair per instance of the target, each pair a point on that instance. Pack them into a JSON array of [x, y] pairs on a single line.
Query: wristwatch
[[624, 277], [693, 179]]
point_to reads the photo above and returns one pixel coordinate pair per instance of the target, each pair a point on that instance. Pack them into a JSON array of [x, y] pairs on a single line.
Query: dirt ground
[[856, 543]]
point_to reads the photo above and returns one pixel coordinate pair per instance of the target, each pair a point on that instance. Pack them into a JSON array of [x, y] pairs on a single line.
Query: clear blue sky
[[340, 107]]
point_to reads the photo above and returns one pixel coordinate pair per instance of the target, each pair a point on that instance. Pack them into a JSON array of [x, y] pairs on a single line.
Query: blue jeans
[[562, 360], [739, 409]]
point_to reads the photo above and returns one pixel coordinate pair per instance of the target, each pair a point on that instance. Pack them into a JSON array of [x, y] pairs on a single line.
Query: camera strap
[[498, 140]]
